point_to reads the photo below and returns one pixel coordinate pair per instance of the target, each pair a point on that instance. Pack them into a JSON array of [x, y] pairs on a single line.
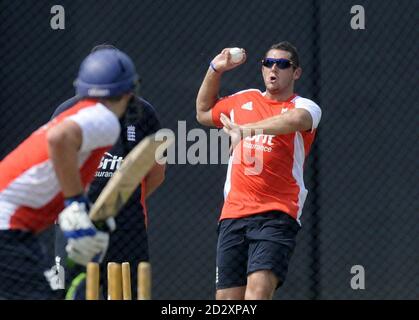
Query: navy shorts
[[22, 266], [260, 242]]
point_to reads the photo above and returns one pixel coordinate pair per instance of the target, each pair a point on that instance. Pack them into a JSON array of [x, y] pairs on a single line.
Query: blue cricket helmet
[[106, 73]]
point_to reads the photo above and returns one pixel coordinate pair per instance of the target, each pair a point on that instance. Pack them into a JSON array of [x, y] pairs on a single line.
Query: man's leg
[[22, 267], [271, 239], [231, 260], [261, 285], [236, 293]]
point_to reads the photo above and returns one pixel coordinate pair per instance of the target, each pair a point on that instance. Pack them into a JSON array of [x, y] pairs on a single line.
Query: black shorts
[[22, 266], [260, 242]]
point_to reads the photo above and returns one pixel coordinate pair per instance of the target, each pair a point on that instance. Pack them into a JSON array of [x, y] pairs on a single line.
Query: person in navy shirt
[[129, 242]]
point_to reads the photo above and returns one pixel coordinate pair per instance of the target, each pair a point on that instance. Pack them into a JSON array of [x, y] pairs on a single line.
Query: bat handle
[[107, 225]]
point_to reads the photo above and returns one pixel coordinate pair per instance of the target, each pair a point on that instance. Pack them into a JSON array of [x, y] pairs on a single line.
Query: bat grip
[[107, 225]]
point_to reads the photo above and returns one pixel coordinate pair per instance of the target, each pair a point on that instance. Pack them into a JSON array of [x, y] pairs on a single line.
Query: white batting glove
[[85, 242]]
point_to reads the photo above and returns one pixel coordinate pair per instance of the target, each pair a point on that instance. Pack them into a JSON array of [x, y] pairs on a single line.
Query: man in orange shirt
[[263, 198]]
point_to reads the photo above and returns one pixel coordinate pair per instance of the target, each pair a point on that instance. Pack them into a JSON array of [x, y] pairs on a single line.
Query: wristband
[[212, 66], [78, 198]]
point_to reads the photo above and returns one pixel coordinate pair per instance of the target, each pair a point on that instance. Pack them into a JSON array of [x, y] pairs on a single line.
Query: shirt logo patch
[[131, 133], [247, 106], [110, 162], [284, 110]]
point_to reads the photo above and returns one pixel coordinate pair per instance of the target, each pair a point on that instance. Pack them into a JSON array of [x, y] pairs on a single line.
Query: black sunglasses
[[280, 63]]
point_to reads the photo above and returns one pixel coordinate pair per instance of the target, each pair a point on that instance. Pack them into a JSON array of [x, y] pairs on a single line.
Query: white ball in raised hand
[[236, 55]]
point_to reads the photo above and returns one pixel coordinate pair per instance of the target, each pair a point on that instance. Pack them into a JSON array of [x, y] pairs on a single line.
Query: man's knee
[[259, 293], [261, 285], [236, 293]]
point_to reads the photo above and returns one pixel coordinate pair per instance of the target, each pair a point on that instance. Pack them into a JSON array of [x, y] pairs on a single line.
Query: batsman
[[129, 241], [45, 177]]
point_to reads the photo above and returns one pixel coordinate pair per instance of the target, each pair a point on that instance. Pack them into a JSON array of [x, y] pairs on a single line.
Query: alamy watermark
[[214, 146], [358, 18], [57, 21], [358, 280]]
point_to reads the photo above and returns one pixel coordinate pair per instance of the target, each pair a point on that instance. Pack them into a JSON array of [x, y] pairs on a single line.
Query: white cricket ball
[[236, 55]]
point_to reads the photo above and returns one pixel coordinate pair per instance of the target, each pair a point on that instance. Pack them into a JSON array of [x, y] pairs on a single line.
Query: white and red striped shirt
[[30, 195]]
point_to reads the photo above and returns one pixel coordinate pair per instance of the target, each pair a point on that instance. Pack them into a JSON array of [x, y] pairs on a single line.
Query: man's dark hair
[[286, 46], [113, 99]]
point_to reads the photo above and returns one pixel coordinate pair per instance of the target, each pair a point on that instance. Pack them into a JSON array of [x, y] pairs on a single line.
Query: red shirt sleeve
[[223, 105]]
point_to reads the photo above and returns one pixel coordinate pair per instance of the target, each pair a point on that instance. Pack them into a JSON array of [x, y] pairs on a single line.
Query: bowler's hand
[[233, 130], [222, 62]]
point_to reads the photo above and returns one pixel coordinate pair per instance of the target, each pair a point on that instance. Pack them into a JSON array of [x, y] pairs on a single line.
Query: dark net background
[[362, 173]]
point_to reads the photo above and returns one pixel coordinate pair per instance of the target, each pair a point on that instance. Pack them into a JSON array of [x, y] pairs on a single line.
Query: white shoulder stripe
[[297, 172], [311, 107], [100, 127]]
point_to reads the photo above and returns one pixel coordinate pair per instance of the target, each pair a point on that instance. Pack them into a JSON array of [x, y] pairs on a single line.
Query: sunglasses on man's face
[[280, 63]]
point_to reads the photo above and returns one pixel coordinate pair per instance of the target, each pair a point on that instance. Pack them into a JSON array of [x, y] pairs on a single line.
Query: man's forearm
[[65, 161], [208, 92], [154, 179], [289, 122], [63, 146], [151, 187]]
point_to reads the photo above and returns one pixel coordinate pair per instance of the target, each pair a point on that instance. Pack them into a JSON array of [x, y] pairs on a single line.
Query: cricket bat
[[136, 165]]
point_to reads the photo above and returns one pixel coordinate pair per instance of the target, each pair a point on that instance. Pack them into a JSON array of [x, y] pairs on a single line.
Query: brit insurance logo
[[262, 142], [108, 165]]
